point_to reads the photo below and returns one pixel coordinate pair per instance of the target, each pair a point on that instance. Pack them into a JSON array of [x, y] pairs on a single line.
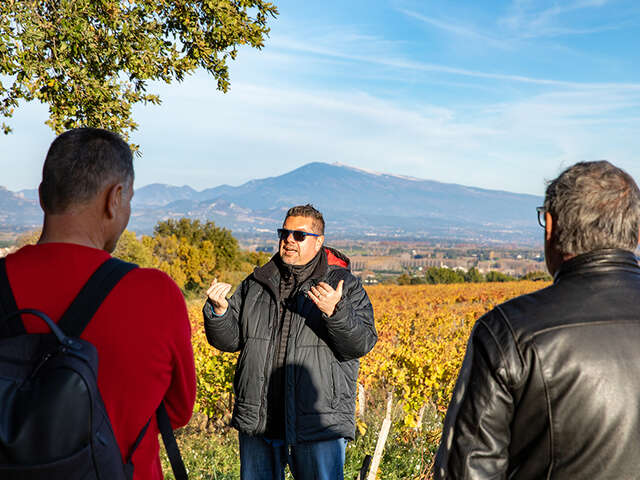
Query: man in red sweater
[[141, 331]]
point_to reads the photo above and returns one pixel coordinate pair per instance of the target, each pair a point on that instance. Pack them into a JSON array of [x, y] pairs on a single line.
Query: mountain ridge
[[354, 202]]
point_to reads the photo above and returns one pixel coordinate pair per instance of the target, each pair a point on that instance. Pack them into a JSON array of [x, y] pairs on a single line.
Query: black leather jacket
[[550, 384], [321, 365]]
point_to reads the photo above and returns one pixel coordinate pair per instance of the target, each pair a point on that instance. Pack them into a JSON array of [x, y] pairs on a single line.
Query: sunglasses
[[542, 220], [298, 235]]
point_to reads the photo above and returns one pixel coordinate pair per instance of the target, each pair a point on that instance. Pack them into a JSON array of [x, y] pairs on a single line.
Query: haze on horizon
[[497, 95]]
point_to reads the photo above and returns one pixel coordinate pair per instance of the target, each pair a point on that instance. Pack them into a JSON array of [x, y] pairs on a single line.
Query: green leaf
[[82, 57]]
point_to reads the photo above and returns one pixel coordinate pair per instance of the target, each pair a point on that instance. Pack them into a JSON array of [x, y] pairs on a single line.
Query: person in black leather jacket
[[300, 323], [550, 383]]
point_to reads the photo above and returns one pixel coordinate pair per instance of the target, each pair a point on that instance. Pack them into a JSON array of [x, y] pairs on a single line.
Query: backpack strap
[[12, 326], [77, 317], [91, 296], [73, 322], [128, 465], [170, 444]]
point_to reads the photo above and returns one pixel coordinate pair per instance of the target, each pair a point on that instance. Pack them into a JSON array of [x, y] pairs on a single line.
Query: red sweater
[[141, 332]]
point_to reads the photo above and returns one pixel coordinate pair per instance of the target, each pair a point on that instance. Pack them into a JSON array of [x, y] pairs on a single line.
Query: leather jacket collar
[[599, 261]]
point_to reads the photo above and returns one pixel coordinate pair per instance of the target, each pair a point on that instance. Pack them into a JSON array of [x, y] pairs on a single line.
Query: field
[[422, 331]]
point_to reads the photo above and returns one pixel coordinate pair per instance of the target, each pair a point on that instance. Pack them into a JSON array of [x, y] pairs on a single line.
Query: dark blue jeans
[[264, 459]]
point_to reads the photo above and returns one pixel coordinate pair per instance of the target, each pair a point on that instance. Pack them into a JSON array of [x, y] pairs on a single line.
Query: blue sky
[[495, 94]]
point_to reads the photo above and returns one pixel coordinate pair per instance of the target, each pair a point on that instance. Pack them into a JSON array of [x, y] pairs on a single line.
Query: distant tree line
[[436, 275], [194, 253], [191, 252]]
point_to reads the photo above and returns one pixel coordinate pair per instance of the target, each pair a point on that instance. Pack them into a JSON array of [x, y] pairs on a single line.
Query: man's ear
[[548, 226], [40, 196], [113, 199], [319, 242]]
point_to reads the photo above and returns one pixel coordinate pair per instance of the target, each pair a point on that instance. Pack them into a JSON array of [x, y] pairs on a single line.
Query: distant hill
[[18, 212], [160, 194], [355, 203]]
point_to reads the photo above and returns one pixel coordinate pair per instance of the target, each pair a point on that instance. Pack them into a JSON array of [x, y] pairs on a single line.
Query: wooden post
[[382, 439], [420, 417], [361, 400]]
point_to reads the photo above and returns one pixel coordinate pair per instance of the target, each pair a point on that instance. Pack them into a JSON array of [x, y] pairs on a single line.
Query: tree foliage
[[190, 252], [28, 238], [224, 246], [91, 60], [444, 275], [495, 276], [536, 276], [473, 276]]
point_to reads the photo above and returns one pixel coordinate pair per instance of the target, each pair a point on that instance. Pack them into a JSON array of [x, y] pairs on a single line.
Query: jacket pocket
[[344, 384], [249, 375]]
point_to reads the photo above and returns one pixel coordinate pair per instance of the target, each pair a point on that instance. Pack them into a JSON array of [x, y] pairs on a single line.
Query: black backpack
[[53, 423]]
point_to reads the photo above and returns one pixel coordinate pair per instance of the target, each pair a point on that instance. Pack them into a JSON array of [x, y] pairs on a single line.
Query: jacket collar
[[599, 261], [335, 257], [269, 274]]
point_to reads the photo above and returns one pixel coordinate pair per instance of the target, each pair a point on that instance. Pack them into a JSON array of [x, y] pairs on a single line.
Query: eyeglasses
[[542, 221], [298, 235]]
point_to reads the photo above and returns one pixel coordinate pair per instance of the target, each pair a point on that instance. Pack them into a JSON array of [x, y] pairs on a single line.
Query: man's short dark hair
[[79, 163], [309, 212], [594, 205]]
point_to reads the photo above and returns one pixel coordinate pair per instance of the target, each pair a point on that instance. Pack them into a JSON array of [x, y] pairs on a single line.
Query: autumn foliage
[[423, 332], [190, 252], [422, 329]]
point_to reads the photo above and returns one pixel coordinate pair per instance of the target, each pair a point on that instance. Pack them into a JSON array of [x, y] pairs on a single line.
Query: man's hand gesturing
[[325, 297], [217, 293]]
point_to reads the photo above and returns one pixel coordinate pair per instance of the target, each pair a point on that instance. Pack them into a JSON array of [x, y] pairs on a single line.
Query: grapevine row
[[422, 335]]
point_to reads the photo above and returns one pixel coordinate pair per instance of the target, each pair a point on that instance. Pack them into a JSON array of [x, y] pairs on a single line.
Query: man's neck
[[69, 228], [298, 268]]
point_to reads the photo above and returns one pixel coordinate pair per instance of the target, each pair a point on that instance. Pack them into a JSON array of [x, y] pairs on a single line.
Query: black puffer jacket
[[550, 384], [321, 367]]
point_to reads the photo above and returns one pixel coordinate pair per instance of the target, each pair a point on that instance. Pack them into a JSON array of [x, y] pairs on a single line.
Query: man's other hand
[[325, 297], [217, 293]]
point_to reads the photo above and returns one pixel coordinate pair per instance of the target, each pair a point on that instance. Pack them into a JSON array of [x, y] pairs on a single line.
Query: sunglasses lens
[[298, 236]]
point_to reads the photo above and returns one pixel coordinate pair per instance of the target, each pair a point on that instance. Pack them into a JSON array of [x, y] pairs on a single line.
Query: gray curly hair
[[594, 205]]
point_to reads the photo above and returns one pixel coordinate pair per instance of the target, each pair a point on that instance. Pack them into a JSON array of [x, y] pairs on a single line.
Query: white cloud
[[464, 31], [528, 19], [258, 131], [289, 105], [398, 62]]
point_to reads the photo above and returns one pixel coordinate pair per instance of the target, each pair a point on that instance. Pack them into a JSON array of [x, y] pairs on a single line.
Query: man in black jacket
[[300, 323], [550, 384]]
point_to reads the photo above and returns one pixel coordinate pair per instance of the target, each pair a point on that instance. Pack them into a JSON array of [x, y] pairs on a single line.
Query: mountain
[[17, 212], [159, 194], [358, 203], [31, 194], [355, 204]]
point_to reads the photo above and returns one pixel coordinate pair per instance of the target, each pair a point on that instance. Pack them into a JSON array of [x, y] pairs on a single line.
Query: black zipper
[[42, 361]]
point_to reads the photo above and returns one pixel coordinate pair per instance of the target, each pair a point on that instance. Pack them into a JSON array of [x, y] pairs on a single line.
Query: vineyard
[[422, 329]]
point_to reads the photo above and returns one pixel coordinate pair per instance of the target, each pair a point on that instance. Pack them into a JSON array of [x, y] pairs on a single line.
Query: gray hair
[[594, 205], [79, 163]]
